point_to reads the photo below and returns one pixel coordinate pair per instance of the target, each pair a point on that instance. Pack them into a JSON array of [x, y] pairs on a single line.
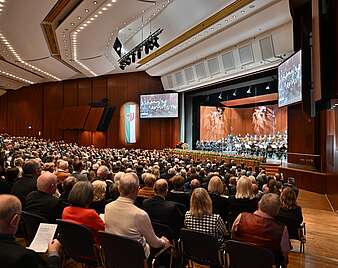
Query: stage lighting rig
[[148, 44]]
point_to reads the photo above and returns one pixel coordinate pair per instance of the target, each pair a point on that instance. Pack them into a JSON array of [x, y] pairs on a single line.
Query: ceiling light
[[84, 25], [109, 5], [243, 11], [104, 8], [78, 17], [100, 12], [235, 93], [95, 2], [113, 1], [249, 90], [267, 87], [72, 24], [220, 96], [86, 10], [88, 21], [92, 19], [2, 1], [96, 15]]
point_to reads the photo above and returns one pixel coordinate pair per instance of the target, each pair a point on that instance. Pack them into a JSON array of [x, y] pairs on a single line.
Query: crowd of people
[[268, 146], [133, 188]]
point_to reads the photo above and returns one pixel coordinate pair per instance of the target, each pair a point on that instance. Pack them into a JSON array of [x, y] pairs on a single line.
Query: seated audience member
[[177, 194], [50, 167], [291, 182], [77, 173], [6, 184], [163, 211], [12, 254], [42, 202], [272, 187], [80, 198], [232, 186], [18, 163], [23, 186], [103, 174], [243, 201], [123, 218], [114, 192], [219, 202], [195, 183], [290, 213], [261, 228], [99, 200], [200, 217], [67, 186], [147, 191], [62, 171]]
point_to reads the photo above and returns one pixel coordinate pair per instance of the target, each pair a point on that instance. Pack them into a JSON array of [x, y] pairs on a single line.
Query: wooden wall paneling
[[116, 87], [70, 93], [85, 138], [99, 92], [70, 101], [53, 105], [3, 113], [70, 136], [84, 91]]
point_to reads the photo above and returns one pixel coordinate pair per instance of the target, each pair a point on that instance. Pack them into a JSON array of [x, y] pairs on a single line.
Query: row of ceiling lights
[[16, 77], [82, 27]]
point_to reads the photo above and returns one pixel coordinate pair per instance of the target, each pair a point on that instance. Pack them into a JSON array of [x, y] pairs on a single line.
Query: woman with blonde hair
[[244, 199], [219, 201], [99, 199], [200, 217]]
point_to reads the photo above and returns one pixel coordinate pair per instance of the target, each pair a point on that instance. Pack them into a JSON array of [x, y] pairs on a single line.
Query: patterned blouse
[[209, 224]]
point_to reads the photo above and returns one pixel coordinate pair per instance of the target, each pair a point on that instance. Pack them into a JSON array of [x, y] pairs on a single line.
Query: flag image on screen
[[130, 123], [159, 105], [290, 80]]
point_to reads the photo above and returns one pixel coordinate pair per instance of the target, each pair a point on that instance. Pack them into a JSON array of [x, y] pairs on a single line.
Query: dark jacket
[[44, 205], [23, 186], [13, 255], [239, 205], [165, 212]]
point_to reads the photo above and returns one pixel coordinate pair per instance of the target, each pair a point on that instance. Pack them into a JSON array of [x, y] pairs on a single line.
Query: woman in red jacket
[[80, 198]]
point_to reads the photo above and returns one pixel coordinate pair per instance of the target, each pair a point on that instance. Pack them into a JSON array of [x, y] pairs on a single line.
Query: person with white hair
[[62, 171], [123, 218]]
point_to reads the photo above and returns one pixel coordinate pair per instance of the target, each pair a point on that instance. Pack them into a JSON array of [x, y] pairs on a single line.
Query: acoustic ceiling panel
[[228, 61], [267, 49], [189, 74], [213, 66], [200, 70], [246, 54]]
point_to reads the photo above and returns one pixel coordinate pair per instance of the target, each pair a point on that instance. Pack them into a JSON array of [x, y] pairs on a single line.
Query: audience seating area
[[58, 169]]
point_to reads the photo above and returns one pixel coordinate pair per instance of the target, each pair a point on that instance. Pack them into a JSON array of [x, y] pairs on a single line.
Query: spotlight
[[128, 61], [220, 96], [235, 93], [150, 45], [268, 87], [249, 90], [139, 53], [155, 42], [133, 56], [122, 67], [146, 49]]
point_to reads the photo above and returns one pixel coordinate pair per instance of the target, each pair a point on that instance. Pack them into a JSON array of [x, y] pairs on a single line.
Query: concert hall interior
[[183, 103]]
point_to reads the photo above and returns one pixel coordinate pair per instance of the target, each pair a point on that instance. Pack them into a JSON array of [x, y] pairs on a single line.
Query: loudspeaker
[[105, 118]]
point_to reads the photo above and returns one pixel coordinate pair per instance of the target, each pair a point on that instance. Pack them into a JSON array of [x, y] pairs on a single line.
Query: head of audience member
[[102, 172], [149, 179], [244, 188], [233, 181], [47, 183], [77, 166], [10, 210], [177, 182], [99, 188], [255, 189], [129, 185], [215, 185], [18, 162], [200, 203], [12, 174], [32, 167], [48, 167], [118, 176], [82, 194], [161, 187], [288, 198], [156, 172], [273, 186], [195, 183], [269, 204], [68, 184], [62, 165]]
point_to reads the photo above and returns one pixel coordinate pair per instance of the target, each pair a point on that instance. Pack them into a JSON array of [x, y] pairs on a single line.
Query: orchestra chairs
[[30, 223]]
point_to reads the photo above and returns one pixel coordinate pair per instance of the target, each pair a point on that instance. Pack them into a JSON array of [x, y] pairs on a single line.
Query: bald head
[[47, 183], [161, 187], [128, 185], [10, 208]]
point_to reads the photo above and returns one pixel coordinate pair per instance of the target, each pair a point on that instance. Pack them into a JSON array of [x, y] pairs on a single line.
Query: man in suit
[[42, 202], [23, 186], [11, 253], [164, 211]]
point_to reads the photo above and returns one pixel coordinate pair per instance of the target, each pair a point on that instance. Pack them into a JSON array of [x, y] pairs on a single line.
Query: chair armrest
[[164, 249]]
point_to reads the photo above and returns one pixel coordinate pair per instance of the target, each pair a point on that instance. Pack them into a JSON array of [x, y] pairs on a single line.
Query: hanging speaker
[[105, 118]]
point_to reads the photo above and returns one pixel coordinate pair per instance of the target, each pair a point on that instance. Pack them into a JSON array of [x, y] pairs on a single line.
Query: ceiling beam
[[228, 10]]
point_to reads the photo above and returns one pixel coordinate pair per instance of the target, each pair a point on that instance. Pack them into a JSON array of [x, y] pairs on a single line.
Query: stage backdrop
[[216, 122]]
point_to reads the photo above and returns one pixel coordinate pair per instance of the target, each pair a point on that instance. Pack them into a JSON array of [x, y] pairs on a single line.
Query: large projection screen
[[159, 105], [290, 80]]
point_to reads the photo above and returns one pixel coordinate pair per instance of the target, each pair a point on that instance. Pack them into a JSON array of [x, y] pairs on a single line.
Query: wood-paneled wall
[[40, 106]]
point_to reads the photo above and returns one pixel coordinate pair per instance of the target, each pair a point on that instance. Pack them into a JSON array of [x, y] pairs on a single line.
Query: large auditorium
[[168, 133]]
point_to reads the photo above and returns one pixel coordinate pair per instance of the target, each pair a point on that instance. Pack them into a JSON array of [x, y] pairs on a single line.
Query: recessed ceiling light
[[72, 24], [85, 24], [109, 5], [104, 8], [78, 17], [96, 15], [86, 10], [113, 1], [100, 12], [243, 11], [95, 2], [88, 21], [91, 18]]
